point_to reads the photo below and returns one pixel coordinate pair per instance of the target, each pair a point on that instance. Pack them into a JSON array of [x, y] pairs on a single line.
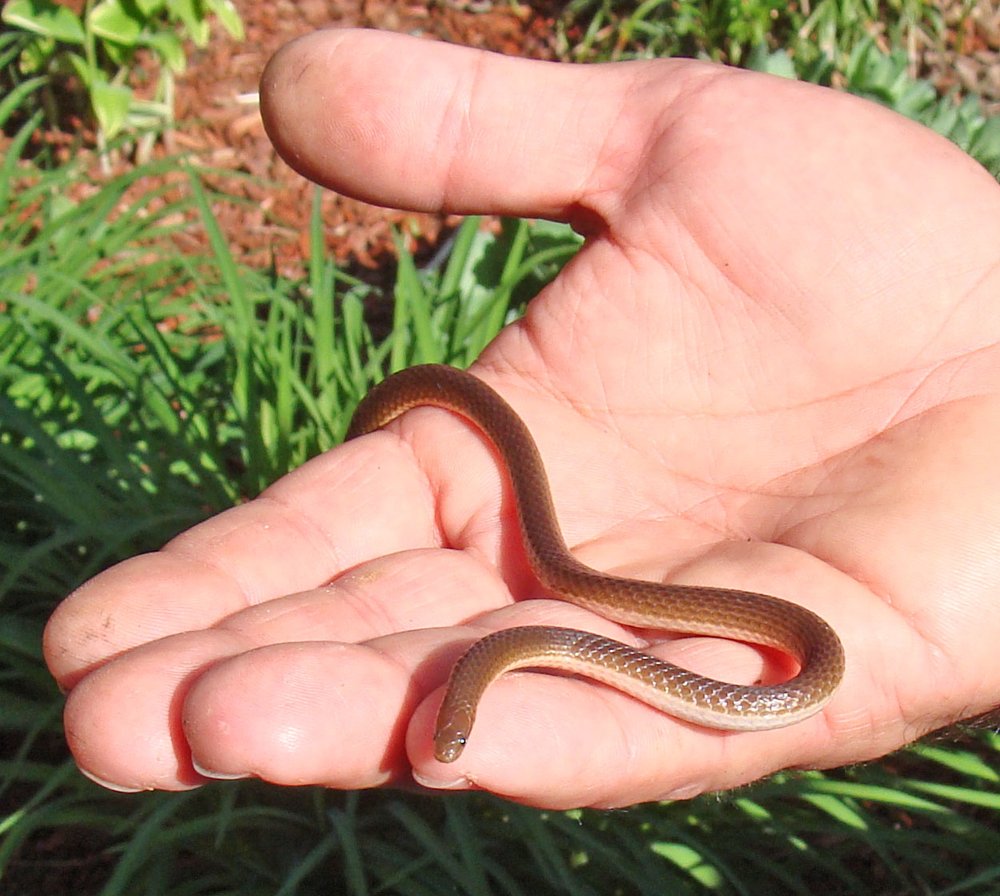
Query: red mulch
[[220, 121]]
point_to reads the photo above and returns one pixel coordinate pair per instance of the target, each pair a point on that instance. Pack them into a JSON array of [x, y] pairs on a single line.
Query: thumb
[[415, 124]]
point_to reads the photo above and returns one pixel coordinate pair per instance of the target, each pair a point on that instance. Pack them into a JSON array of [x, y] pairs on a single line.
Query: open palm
[[773, 366]]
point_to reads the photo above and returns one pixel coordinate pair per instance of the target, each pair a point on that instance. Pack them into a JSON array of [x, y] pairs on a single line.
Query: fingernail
[[218, 776], [459, 782], [110, 785]]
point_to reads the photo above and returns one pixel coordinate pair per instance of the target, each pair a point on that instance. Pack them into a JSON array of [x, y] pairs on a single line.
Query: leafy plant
[[100, 46], [834, 40], [884, 77], [834, 28], [734, 31], [717, 29]]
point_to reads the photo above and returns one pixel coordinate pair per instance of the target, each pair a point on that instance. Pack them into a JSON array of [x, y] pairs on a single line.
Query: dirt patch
[[216, 104]]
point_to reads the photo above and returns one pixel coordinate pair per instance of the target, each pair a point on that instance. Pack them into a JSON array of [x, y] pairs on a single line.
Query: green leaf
[[776, 63], [46, 18], [13, 100], [84, 71], [149, 8], [169, 48], [116, 22], [228, 16], [36, 57], [192, 16], [111, 104]]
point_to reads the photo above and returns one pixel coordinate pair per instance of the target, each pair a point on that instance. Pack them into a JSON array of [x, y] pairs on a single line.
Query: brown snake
[[718, 612]]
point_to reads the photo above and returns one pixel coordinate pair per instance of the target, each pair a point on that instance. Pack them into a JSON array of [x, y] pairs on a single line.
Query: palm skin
[[773, 366]]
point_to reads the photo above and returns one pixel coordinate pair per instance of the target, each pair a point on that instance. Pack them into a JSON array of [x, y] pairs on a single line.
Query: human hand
[[773, 366]]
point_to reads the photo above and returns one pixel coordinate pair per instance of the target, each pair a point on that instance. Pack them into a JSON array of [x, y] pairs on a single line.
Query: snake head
[[452, 731]]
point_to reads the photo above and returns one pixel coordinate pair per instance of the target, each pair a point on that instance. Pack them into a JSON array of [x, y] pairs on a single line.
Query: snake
[[744, 616]]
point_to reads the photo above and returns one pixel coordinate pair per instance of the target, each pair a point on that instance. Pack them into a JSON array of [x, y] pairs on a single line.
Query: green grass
[[730, 30], [825, 42], [142, 390]]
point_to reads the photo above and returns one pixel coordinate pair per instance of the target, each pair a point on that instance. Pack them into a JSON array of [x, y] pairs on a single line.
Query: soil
[[216, 104]]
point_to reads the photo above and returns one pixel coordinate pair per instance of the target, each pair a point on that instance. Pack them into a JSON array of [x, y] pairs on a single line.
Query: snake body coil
[[719, 612]]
